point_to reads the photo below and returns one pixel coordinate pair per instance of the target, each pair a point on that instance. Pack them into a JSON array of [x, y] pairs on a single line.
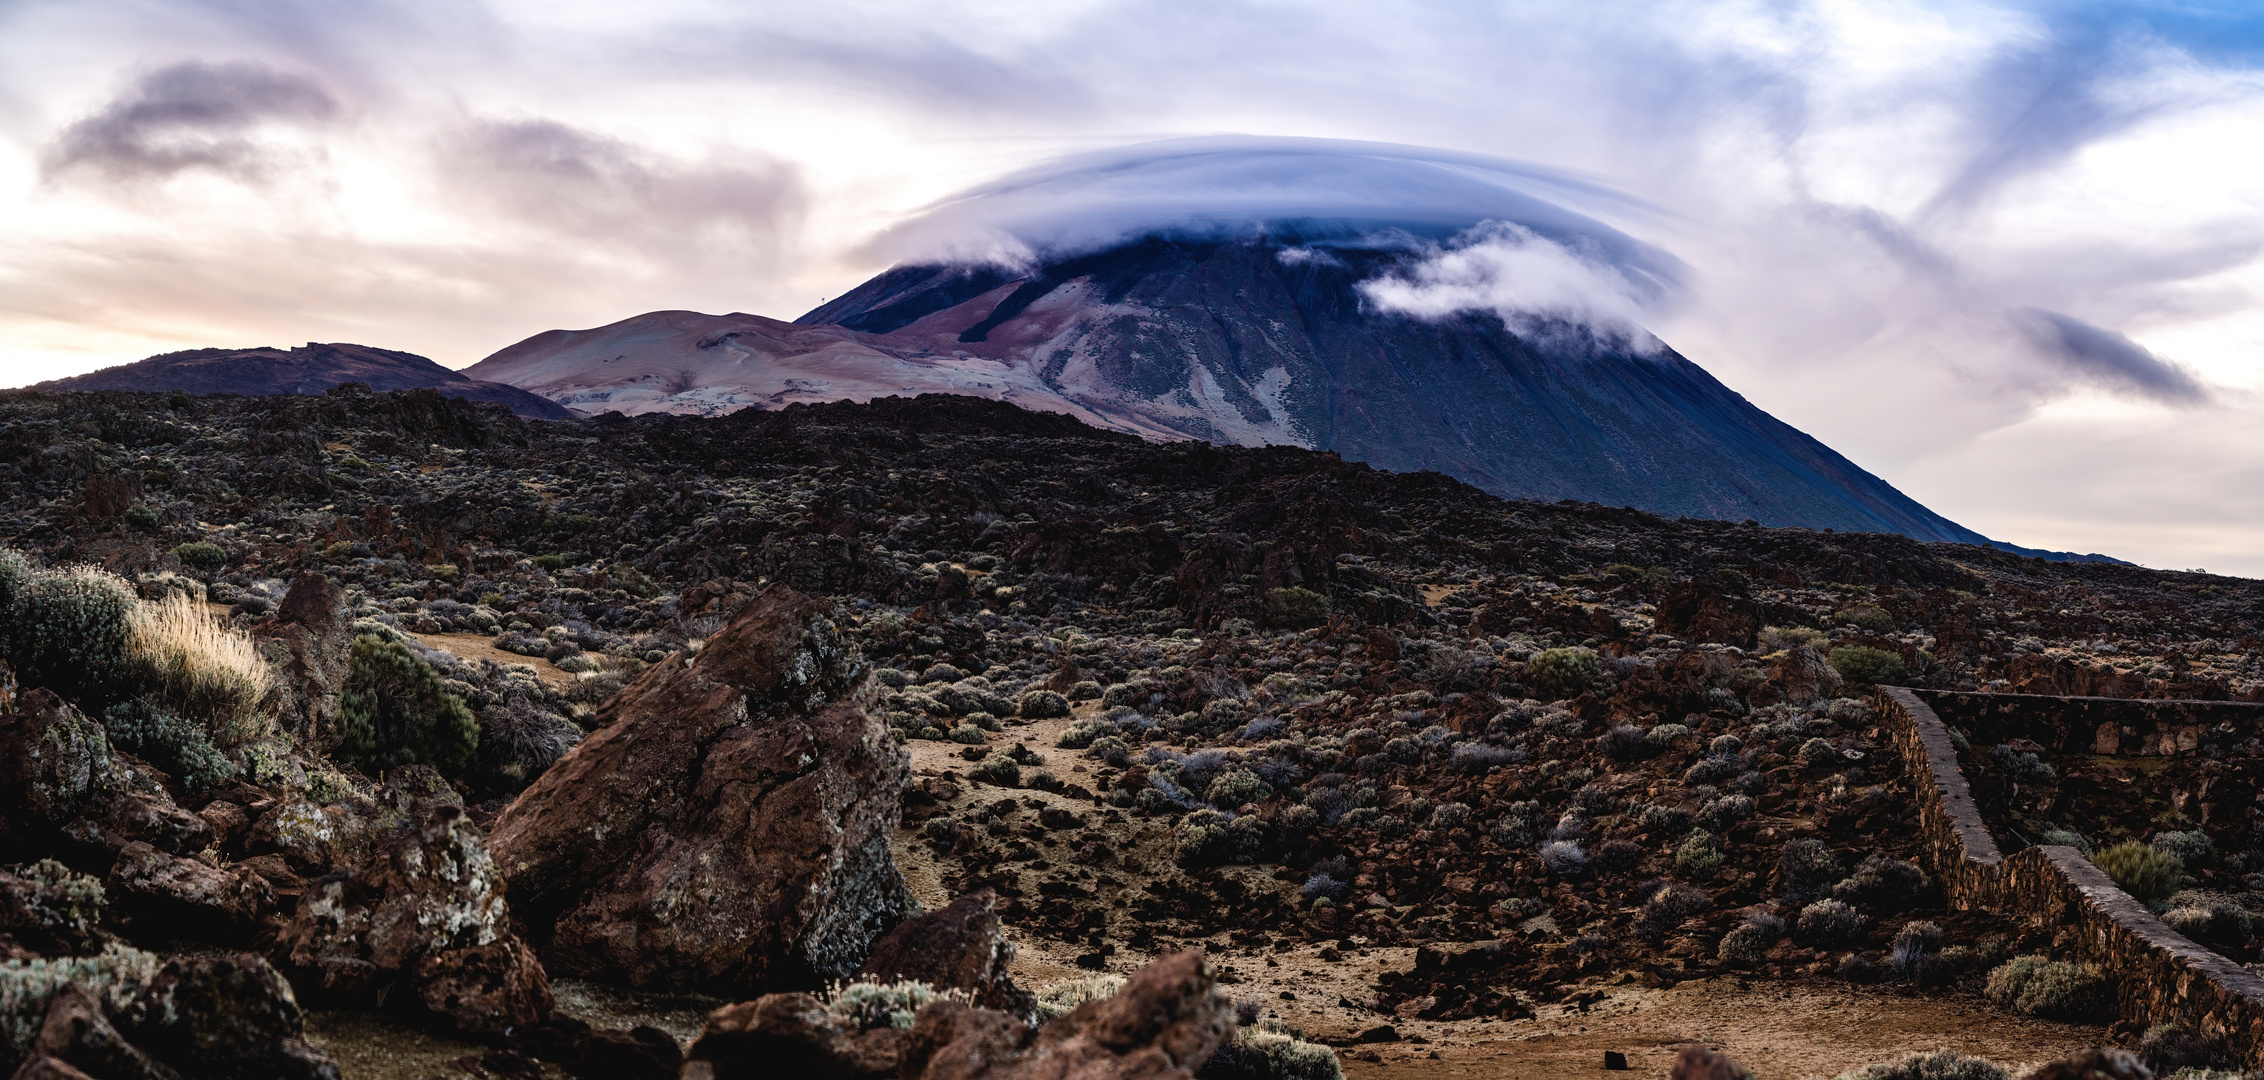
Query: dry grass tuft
[[207, 671]]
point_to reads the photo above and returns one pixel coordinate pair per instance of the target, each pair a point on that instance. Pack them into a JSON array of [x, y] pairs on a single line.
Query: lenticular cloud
[[1237, 185]]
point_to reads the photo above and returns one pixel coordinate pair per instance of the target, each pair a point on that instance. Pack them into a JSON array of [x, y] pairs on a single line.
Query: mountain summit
[[1252, 340]]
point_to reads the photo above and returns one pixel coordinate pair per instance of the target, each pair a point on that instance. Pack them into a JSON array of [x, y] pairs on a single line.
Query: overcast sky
[[2006, 256]]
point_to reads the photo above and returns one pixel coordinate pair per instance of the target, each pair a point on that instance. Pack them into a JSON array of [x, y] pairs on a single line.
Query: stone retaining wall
[[2096, 725], [2160, 976]]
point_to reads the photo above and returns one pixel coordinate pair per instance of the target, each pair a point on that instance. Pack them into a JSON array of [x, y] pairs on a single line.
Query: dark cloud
[[2104, 357], [191, 115], [599, 188]]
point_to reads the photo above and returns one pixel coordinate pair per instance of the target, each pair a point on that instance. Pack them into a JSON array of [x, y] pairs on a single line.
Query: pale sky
[[2005, 256]]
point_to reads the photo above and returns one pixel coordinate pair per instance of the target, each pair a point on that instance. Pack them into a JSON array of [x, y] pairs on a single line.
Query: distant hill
[[309, 369]]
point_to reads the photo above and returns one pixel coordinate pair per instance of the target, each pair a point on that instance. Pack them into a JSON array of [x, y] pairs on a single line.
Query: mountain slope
[[309, 369], [1234, 342]]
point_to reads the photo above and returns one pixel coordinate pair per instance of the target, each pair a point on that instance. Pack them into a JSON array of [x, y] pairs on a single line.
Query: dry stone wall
[[2161, 977], [2129, 727]]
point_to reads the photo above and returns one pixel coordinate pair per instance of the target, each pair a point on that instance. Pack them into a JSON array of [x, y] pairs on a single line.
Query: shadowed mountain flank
[[309, 369]]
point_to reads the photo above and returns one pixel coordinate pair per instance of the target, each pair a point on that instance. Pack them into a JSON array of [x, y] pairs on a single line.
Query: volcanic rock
[[728, 826], [959, 947], [1165, 1022], [225, 1017], [307, 641], [64, 792], [426, 909], [76, 1032], [157, 894]]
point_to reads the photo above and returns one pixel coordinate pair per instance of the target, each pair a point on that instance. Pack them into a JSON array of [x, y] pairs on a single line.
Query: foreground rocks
[[962, 947], [728, 827], [1165, 1023], [426, 914], [201, 1018]]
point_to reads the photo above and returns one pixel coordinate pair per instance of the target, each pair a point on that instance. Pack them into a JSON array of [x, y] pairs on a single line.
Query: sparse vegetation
[[396, 711], [2145, 872], [2052, 989]]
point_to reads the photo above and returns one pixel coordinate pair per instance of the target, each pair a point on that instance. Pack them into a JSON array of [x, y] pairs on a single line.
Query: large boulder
[[727, 828], [156, 894], [307, 641], [962, 947], [225, 1017], [1166, 1021], [425, 912], [64, 792]]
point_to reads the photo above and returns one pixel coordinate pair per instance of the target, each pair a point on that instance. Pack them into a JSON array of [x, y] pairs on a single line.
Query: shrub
[[2144, 872], [1867, 617], [1235, 787], [1862, 665], [1913, 945], [1827, 924], [1558, 674], [1818, 753], [396, 711], [202, 669], [999, 768], [1725, 746], [1722, 813], [69, 631], [1749, 942], [143, 516], [1087, 690], [967, 735], [2021, 765], [1060, 999], [1882, 882], [1080, 735], [1288, 1057], [15, 570], [2053, 834], [1667, 907], [201, 555], [1042, 705], [2052, 989], [1478, 757], [1698, 858], [1711, 770], [1624, 742], [1662, 738], [145, 728], [1564, 858], [2191, 848], [1806, 870], [890, 1005], [1939, 1065], [1295, 606], [1655, 817]]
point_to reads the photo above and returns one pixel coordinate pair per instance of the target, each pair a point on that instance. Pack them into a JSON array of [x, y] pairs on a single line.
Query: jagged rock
[[727, 827], [1162, 1025], [307, 641], [64, 792], [78, 1033], [225, 1017], [1799, 677], [172, 896], [426, 908], [47, 909], [960, 947]]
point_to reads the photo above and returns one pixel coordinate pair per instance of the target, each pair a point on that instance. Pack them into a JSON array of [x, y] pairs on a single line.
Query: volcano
[[309, 369], [1252, 341]]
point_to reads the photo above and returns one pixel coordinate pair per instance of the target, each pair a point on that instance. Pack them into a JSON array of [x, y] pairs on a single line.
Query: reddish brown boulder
[[155, 894], [308, 640], [77, 1032], [961, 947], [789, 1035], [64, 792], [224, 1016], [1697, 1062], [426, 909], [728, 826]]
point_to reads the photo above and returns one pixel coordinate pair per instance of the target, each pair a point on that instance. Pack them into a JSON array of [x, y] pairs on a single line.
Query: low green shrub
[[1866, 617], [145, 728], [2191, 847], [999, 768], [1827, 924], [1062, 998], [968, 735], [2142, 871], [201, 555], [1749, 943], [1560, 674], [1080, 735], [1235, 787], [1296, 606], [1864, 666], [889, 1005], [1699, 857], [2053, 989], [70, 631], [396, 711], [1043, 705]]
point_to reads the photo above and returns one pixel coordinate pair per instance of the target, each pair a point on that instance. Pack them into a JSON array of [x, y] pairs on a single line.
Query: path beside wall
[[2160, 976]]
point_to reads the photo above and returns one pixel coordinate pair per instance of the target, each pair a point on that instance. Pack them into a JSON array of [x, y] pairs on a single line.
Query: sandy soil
[[482, 647]]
